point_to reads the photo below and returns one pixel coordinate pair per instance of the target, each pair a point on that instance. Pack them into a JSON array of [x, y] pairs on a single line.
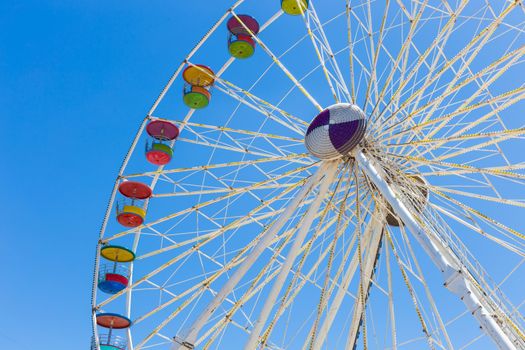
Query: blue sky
[[76, 79]]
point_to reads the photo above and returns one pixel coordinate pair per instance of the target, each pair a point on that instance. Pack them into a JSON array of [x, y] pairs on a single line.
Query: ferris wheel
[[326, 175]]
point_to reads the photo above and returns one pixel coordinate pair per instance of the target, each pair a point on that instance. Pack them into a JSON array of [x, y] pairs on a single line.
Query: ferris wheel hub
[[336, 131]]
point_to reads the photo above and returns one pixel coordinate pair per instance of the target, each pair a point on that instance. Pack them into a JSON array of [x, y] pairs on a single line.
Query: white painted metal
[[455, 275], [377, 223], [191, 337], [253, 340], [372, 227], [453, 271], [391, 299]]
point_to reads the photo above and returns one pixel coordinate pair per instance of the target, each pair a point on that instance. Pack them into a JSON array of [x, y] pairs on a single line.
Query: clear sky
[[76, 79]]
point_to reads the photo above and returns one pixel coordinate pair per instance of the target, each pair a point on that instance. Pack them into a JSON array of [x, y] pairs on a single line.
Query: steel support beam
[[368, 241], [370, 260], [271, 298], [189, 340], [453, 271]]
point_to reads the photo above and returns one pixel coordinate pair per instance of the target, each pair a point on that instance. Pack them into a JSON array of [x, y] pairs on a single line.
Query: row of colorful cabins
[[241, 44], [114, 275]]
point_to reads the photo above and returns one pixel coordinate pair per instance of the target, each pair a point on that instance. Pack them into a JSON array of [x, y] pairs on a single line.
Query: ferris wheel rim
[[149, 117]]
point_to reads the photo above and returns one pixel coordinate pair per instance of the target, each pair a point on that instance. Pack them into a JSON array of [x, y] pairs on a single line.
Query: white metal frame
[[456, 276], [454, 273]]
